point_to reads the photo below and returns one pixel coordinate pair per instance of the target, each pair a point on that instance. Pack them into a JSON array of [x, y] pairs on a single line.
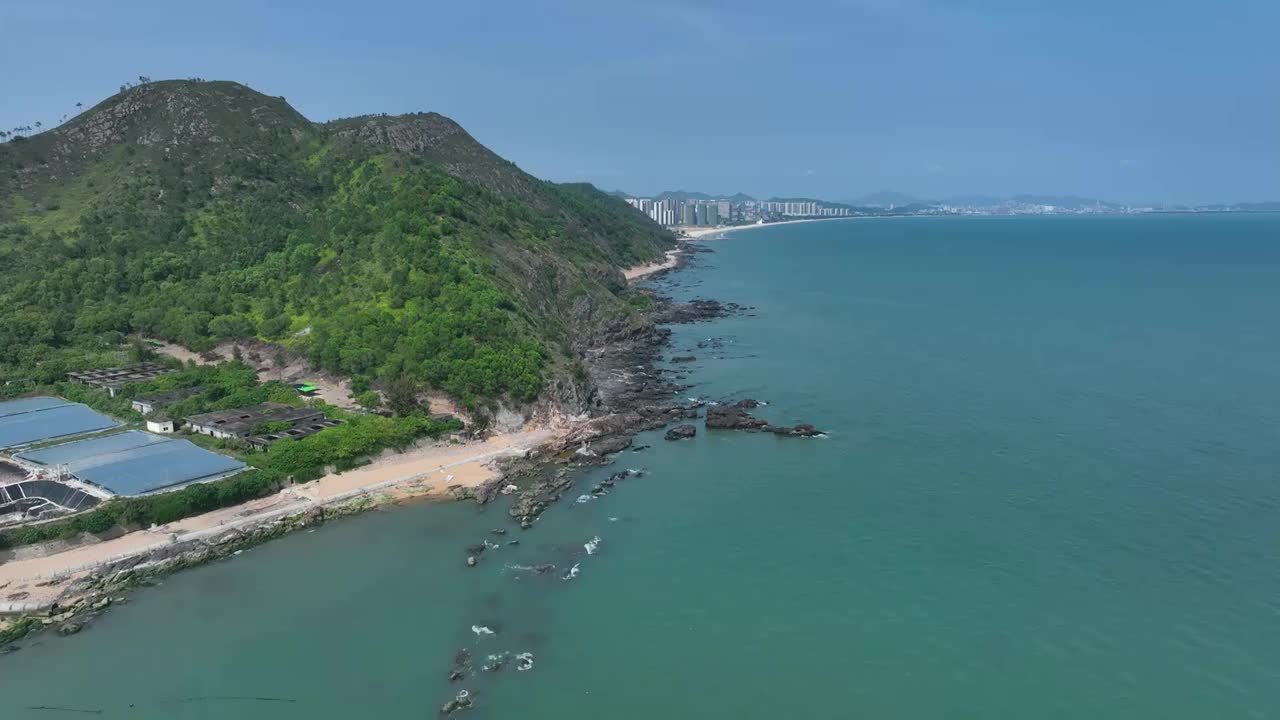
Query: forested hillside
[[377, 246]]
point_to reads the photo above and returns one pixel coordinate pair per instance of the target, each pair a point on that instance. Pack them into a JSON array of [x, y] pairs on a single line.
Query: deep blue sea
[[1051, 490]]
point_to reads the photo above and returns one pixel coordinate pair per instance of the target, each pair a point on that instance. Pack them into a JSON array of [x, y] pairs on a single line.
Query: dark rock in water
[[544, 569], [499, 531], [462, 658], [456, 675], [529, 504], [471, 561], [462, 701], [70, 627], [638, 448], [732, 417], [10, 649], [476, 549], [683, 359], [802, 430], [736, 417], [681, 432], [513, 542], [666, 312]]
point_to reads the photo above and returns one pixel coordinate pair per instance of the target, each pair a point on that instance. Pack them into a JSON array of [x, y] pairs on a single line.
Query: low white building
[[160, 426]]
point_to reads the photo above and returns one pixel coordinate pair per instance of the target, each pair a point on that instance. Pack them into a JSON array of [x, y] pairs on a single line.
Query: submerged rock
[[681, 432]]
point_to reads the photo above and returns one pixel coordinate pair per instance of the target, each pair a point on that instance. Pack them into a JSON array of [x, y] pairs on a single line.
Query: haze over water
[[1050, 490]]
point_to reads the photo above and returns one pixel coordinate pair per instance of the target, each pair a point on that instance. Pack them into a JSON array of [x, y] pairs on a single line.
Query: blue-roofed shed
[[136, 462], [33, 420], [31, 404]]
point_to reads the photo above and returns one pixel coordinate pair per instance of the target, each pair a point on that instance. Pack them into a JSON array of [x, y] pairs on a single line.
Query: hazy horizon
[[1150, 103]]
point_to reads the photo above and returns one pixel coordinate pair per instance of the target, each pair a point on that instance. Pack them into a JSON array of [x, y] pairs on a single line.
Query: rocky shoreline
[[89, 597], [631, 395]]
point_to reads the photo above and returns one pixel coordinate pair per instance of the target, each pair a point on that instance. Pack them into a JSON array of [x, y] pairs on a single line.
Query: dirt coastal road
[[429, 471]]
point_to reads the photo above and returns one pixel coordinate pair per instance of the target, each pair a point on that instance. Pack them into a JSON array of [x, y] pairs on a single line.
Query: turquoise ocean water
[[1051, 490]]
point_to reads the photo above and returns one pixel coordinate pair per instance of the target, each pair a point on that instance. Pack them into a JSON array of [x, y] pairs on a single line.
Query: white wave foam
[[592, 545], [480, 630], [524, 661]]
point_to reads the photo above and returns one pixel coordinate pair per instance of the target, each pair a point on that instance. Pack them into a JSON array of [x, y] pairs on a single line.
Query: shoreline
[[673, 257], [698, 233], [65, 590], [638, 271], [434, 471]]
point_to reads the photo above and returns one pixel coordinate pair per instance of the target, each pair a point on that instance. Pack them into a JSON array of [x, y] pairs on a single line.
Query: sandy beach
[[428, 471], [702, 232], [673, 256], [639, 271]]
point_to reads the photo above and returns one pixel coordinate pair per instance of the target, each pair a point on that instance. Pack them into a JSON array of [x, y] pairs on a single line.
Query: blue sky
[[1135, 101]]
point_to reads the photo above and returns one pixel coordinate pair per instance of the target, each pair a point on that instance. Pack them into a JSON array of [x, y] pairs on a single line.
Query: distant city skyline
[[1141, 102], [695, 209]]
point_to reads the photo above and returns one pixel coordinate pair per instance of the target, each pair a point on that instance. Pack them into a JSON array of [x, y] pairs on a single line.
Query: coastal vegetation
[[379, 247]]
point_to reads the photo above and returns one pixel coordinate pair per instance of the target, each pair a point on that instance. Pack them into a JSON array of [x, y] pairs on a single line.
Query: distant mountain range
[[886, 198]]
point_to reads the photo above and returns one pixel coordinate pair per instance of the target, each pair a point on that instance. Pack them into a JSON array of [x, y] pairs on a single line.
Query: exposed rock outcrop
[[736, 417], [681, 432]]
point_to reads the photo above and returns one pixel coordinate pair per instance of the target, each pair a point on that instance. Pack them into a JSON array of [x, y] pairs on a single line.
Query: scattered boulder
[[683, 359], [462, 701], [70, 628], [732, 417], [736, 417], [610, 444], [476, 549], [471, 561], [802, 430], [681, 432]]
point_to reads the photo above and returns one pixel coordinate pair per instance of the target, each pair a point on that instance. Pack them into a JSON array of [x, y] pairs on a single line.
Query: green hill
[[378, 246]]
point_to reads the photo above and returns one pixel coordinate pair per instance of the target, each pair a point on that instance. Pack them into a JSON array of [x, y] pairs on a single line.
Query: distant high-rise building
[[713, 214]]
